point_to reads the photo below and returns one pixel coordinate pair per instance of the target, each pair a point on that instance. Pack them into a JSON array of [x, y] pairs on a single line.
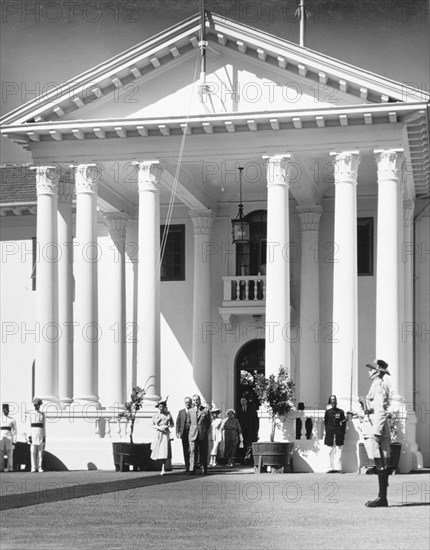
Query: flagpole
[[302, 23], [352, 373]]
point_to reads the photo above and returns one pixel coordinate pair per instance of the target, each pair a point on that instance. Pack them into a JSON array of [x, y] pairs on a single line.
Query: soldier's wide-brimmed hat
[[379, 365], [37, 401]]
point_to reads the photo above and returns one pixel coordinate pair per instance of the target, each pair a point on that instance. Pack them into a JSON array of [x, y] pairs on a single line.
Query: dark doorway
[[251, 357]]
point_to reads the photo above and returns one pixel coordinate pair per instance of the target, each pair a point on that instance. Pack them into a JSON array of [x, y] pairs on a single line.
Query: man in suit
[[249, 423], [198, 436], [183, 423]]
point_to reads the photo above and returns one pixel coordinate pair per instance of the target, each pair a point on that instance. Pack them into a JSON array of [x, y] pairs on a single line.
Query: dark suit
[[249, 424], [183, 423], [198, 437]]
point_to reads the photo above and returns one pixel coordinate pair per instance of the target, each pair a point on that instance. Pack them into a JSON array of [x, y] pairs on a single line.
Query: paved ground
[[228, 509]]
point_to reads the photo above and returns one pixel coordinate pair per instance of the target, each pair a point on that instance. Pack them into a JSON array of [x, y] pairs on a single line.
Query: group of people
[[374, 426], [202, 431], [36, 437]]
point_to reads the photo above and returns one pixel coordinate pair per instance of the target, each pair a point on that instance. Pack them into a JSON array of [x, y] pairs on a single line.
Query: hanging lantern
[[240, 227]]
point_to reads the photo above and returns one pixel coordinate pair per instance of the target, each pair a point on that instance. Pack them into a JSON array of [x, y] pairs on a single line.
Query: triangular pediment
[[246, 71]]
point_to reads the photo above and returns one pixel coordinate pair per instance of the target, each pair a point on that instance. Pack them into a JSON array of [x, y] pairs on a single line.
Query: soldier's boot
[[381, 501]]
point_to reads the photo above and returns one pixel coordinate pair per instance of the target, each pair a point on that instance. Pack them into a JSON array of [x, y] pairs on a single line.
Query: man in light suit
[[198, 437], [183, 423]]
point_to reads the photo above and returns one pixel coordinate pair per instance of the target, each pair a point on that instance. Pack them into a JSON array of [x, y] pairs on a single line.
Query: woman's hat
[[379, 365], [231, 411], [215, 408], [162, 402], [37, 401]]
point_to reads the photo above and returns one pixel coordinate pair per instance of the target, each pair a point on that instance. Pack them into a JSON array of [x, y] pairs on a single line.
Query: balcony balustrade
[[243, 295]]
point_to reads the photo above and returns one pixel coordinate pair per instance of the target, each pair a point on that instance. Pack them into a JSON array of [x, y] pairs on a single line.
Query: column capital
[[202, 221], [87, 177], [116, 222], [309, 217], [408, 212], [148, 174], [65, 191], [345, 166], [47, 179], [277, 168], [389, 163]]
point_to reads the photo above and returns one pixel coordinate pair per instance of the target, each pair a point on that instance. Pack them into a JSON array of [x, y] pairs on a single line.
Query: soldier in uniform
[[335, 425], [376, 429], [8, 438], [37, 437]]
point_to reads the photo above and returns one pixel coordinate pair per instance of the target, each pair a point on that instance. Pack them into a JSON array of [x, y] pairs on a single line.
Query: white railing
[[249, 288]]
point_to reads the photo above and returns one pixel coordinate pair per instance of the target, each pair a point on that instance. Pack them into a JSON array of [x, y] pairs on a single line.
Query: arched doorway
[[250, 358]]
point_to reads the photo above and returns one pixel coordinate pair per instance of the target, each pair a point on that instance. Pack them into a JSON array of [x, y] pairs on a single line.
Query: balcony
[[243, 295]]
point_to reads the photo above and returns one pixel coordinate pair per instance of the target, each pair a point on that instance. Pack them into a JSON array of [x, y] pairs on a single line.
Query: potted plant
[[396, 427], [277, 394], [132, 454]]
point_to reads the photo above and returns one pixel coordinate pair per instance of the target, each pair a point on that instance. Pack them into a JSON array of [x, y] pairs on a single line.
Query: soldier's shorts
[[377, 447]]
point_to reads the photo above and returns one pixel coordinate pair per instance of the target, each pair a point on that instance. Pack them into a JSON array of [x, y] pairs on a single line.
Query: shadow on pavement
[[55, 492]]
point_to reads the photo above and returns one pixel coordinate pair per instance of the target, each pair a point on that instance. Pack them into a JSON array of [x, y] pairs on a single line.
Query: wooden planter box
[[277, 454], [137, 455]]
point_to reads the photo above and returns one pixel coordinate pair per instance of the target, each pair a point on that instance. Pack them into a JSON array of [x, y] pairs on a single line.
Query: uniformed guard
[[375, 427], [37, 437], [8, 438]]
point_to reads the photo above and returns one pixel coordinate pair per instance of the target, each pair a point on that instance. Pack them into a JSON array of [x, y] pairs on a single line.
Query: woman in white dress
[[215, 435], [162, 421]]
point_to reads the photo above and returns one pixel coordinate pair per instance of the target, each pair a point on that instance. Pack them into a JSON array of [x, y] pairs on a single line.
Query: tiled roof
[[17, 184]]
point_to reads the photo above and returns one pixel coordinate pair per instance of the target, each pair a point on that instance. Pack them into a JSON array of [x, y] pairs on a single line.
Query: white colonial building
[[118, 266]]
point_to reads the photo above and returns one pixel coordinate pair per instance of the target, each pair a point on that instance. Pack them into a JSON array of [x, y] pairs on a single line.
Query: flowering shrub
[[277, 393], [131, 407]]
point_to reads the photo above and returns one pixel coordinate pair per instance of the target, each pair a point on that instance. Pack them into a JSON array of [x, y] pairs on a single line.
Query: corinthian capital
[[345, 166], [148, 175], [47, 179], [65, 191], [309, 217], [116, 222], [202, 221], [87, 177], [389, 163], [278, 169]]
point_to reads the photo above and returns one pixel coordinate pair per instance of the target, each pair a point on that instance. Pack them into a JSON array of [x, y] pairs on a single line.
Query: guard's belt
[[37, 424], [6, 428]]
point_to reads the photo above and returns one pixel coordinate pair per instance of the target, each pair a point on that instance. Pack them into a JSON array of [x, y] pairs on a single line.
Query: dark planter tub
[[137, 455], [277, 454]]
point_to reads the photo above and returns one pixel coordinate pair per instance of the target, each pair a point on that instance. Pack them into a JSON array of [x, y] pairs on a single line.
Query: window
[[173, 259], [251, 257], [365, 246]]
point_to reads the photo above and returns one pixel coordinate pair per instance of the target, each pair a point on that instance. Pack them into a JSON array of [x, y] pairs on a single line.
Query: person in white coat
[[37, 437], [8, 438]]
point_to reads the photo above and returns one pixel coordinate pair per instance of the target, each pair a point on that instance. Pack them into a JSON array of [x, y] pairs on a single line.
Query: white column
[[87, 332], [46, 365], [117, 225], [148, 347], [202, 306], [309, 369], [344, 350], [408, 308], [65, 291], [388, 327], [278, 336]]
